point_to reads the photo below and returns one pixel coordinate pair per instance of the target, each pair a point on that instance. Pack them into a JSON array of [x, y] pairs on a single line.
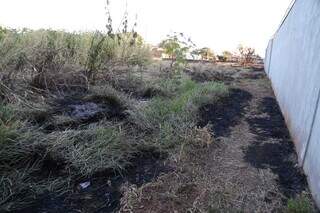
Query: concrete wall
[[267, 58], [312, 160], [294, 69]]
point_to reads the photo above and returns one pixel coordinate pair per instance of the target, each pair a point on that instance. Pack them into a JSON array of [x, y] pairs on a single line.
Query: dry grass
[[45, 73], [211, 174], [59, 150]]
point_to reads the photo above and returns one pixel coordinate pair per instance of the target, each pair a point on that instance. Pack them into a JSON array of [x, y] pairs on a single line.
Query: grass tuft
[[172, 118], [301, 204], [94, 150]]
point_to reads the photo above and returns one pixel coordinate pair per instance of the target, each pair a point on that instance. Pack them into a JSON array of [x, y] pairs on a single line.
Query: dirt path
[[257, 166], [251, 167]]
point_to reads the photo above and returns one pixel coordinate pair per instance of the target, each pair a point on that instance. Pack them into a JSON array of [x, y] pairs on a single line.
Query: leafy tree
[[176, 47], [227, 55], [205, 53]]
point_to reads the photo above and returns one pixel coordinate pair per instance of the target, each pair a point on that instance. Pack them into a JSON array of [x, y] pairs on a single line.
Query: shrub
[[247, 54]]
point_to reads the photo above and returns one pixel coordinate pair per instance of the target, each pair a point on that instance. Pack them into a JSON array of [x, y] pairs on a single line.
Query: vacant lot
[[213, 140], [89, 123]]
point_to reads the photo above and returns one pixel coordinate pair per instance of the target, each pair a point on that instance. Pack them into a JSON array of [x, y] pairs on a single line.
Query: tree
[[227, 55], [247, 54], [205, 53], [176, 47]]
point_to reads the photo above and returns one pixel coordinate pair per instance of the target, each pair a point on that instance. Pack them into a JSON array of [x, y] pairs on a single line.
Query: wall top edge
[[285, 16]]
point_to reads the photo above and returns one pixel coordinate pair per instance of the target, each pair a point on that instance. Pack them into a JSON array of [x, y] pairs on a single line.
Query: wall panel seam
[[311, 130]]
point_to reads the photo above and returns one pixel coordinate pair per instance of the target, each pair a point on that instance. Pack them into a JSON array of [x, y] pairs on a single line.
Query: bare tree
[[247, 54]]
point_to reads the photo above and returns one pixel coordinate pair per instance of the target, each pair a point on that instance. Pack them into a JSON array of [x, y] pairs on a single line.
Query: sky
[[218, 24]]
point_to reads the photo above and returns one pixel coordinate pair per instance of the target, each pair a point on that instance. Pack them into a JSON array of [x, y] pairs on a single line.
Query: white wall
[[294, 70], [312, 161], [267, 59]]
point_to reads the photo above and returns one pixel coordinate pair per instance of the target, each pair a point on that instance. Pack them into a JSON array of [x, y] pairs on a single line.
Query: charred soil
[[251, 166]]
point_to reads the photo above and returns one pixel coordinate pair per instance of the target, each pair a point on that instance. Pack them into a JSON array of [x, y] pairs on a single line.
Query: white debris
[[85, 185]]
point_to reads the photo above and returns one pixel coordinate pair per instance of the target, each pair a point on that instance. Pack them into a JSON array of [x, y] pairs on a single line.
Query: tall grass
[[35, 160], [37, 52]]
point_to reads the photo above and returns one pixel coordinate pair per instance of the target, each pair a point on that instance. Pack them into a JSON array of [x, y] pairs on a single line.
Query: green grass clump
[[172, 118], [301, 204]]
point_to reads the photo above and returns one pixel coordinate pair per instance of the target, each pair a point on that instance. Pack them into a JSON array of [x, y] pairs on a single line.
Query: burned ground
[[104, 192], [226, 113], [243, 160], [274, 149], [251, 166]]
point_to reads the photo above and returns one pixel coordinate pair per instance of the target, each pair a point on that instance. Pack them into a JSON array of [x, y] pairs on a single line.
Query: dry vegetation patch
[[71, 128], [87, 124]]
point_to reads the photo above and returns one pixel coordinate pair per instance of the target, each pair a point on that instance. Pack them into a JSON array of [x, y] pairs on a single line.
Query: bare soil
[[251, 167]]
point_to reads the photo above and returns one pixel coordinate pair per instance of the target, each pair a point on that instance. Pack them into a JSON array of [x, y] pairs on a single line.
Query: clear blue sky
[[218, 24]]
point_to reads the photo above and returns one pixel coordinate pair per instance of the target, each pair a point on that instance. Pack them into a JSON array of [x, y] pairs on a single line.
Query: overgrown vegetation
[[78, 106], [73, 106], [57, 158], [174, 119], [52, 59]]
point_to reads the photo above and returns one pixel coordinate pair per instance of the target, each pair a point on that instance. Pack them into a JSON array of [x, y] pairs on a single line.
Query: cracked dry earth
[[251, 166]]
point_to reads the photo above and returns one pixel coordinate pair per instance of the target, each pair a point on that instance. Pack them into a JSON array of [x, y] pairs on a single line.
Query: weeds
[[45, 149], [173, 118], [54, 161], [95, 56], [301, 204], [42, 54], [94, 150]]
